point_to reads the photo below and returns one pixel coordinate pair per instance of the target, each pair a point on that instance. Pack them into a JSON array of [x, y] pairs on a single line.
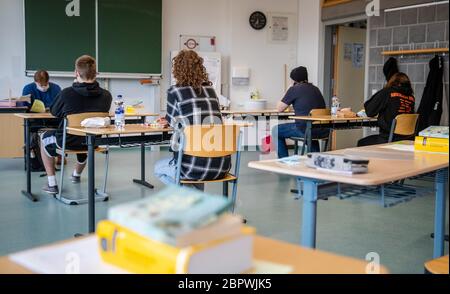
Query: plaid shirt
[[185, 106]]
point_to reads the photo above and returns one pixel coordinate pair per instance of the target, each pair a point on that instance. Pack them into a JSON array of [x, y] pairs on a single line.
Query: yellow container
[[134, 253], [431, 144]]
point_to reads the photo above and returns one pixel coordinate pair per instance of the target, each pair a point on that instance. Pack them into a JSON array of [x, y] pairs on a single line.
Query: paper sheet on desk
[[79, 257], [400, 147], [82, 257]]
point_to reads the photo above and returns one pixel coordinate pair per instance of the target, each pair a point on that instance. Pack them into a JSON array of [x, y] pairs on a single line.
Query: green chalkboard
[[124, 35], [129, 36], [53, 39]]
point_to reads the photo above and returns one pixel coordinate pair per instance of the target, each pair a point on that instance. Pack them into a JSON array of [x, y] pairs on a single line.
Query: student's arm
[[281, 107], [377, 103], [26, 90], [287, 100], [172, 110]]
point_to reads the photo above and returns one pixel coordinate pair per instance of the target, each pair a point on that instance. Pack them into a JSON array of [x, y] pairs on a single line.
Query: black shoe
[[51, 190], [75, 179]]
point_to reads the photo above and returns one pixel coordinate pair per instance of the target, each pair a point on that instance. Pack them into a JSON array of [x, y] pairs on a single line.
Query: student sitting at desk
[[85, 95], [304, 97], [42, 89], [396, 98], [192, 100]]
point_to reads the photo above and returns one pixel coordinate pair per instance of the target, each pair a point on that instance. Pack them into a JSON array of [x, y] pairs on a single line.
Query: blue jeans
[[166, 172], [286, 131]]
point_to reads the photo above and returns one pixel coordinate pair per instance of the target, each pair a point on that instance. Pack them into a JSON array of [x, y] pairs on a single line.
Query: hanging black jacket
[[387, 104], [430, 108]]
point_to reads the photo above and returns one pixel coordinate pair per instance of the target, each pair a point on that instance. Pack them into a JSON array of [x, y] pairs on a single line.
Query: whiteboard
[[213, 65]]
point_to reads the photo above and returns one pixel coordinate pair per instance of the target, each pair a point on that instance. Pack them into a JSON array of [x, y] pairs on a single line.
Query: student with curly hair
[[191, 101]]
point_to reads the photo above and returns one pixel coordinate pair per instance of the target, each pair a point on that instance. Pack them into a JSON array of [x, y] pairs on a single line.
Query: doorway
[[346, 73]]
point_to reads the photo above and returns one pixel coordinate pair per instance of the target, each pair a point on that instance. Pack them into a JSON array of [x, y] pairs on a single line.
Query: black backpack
[[36, 163]]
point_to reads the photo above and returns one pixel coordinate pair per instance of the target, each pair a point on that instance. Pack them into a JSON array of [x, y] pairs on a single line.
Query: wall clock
[[258, 20]]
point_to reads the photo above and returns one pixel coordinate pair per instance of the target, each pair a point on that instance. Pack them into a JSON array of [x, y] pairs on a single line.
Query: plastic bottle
[[119, 117], [335, 106]]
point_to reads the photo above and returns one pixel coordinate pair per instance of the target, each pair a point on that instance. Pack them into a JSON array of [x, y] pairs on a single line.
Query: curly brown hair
[[189, 71]]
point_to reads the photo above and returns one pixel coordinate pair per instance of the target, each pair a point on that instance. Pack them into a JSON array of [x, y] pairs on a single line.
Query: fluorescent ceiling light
[[416, 6]]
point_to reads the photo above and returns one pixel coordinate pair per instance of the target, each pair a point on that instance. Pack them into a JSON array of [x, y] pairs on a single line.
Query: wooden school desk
[[36, 121], [142, 134], [12, 132], [130, 134], [301, 260], [268, 113], [332, 123], [385, 166]]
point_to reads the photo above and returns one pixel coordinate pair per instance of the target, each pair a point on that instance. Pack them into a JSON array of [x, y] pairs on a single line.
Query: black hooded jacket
[[79, 98], [387, 104], [430, 108]]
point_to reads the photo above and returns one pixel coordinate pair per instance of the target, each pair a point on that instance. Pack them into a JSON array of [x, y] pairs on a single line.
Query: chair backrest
[[319, 112], [211, 141], [74, 120], [406, 124]]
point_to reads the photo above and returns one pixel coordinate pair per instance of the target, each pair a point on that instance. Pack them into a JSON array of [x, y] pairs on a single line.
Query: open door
[[349, 77]]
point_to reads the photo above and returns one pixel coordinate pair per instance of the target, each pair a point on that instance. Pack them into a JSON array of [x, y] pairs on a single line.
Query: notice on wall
[[348, 51], [280, 28], [358, 55]]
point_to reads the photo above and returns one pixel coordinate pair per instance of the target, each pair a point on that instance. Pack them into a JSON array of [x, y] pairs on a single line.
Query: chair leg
[[326, 145], [105, 181], [225, 189], [234, 197], [296, 147], [303, 148], [61, 178]]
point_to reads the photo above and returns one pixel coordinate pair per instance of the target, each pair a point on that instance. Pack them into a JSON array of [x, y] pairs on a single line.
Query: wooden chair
[[437, 266], [404, 125], [314, 112], [223, 140], [75, 120]]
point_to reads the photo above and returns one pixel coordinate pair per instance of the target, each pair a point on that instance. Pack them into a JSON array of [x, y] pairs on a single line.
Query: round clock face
[[258, 20]]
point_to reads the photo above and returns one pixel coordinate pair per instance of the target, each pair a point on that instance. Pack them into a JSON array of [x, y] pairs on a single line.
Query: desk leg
[[309, 136], [91, 182], [142, 181], [28, 193], [439, 217], [309, 217]]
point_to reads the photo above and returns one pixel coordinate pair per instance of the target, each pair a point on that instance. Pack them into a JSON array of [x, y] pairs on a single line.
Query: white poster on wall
[[358, 55], [281, 28]]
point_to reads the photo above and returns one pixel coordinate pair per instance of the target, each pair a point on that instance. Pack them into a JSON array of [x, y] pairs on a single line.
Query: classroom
[[272, 136]]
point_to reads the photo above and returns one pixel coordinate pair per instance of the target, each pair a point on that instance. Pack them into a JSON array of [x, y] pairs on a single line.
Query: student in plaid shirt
[[191, 101]]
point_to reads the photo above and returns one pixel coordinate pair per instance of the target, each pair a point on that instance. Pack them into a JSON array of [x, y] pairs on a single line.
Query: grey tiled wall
[[424, 27]]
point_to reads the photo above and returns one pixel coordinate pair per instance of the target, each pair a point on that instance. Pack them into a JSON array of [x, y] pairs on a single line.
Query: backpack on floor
[[36, 163]]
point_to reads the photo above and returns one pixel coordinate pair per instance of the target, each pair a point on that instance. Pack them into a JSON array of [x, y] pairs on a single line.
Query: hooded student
[[396, 98], [42, 89]]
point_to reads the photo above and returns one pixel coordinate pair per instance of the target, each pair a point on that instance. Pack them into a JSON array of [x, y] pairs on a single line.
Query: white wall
[[311, 39], [265, 59], [239, 44], [225, 19]]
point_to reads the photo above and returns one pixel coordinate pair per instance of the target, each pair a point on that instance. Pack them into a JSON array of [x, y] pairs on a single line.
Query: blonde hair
[[189, 71], [86, 67]]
